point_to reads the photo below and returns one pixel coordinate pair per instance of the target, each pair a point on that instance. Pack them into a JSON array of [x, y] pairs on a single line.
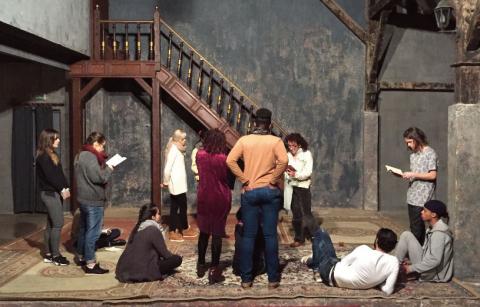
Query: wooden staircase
[[195, 84]]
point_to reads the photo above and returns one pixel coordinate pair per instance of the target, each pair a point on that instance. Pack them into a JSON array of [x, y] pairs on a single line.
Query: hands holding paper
[[115, 160]]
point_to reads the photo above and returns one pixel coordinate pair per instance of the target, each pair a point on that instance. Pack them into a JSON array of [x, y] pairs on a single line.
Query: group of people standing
[[262, 163]]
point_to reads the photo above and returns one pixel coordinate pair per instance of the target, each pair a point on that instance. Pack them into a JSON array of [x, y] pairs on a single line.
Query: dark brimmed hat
[[437, 207]]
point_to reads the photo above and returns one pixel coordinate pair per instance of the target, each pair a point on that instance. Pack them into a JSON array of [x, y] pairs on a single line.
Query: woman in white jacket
[[175, 178], [297, 194]]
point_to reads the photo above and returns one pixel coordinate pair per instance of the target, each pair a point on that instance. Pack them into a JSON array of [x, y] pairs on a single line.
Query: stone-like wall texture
[[294, 57], [65, 22]]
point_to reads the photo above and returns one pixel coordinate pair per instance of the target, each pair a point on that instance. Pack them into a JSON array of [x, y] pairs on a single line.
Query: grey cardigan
[[437, 256], [90, 179]]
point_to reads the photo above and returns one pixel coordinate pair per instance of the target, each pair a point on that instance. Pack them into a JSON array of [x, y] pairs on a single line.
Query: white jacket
[[303, 164], [174, 173]]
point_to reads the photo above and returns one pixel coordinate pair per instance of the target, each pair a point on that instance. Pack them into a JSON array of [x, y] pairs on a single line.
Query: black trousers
[[169, 264], [417, 225], [216, 248], [301, 206], [178, 212]]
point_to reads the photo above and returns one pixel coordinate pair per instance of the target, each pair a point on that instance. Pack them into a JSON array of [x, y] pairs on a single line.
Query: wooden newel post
[[96, 34], [155, 141], [75, 136], [156, 38]]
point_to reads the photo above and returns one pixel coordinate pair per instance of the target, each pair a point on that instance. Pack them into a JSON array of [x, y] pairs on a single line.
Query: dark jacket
[[91, 179], [50, 176], [140, 259]]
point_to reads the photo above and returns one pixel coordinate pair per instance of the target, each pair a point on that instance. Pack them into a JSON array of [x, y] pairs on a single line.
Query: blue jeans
[[90, 228], [260, 206], [324, 256]]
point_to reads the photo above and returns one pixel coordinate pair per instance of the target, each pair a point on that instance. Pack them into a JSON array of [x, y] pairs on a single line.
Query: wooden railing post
[[96, 34], [156, 38]]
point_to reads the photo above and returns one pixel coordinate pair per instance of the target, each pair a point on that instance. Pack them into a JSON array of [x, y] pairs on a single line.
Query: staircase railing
[[126, 40]]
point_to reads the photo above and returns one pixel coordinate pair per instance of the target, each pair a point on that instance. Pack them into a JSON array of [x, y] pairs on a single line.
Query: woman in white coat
[[175, 178]]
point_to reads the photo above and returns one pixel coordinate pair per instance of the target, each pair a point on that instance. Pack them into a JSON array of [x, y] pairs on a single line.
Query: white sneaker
[[305, 259]]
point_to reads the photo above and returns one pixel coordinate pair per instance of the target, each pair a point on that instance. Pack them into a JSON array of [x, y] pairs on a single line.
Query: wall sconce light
[[444, 13]]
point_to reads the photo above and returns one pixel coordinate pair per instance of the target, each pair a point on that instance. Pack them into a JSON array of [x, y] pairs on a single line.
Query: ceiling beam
[[346, 19]]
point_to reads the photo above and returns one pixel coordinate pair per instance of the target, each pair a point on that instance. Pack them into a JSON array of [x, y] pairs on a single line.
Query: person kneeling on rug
[[363, 268], [146, 257], [433, 261]]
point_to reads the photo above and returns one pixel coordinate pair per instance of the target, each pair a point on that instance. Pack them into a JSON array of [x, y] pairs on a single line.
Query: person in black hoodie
[[53, 189]]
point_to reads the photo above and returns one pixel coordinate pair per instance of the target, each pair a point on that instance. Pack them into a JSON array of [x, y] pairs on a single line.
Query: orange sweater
[[265, 160]]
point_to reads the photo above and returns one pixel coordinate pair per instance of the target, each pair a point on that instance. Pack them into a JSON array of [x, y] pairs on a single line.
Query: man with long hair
[[265, 159], [422, 178]]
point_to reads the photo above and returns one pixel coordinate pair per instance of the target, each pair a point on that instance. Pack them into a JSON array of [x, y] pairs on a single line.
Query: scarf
[[148, 223], [262, 131], [101, 156]]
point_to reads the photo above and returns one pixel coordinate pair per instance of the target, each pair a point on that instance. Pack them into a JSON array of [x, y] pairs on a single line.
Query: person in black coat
[[53, 189], [146, 257]]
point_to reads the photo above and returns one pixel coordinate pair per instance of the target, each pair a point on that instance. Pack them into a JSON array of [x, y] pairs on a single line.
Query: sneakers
[[175, 236], [48, 258], [95, 270], [60, 260], [79, 261], [189, 233]]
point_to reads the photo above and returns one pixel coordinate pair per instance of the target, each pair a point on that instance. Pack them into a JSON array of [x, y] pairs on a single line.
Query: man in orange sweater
[[265, 159]]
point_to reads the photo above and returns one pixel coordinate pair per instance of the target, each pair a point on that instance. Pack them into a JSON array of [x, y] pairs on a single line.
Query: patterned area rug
[[23, 275]]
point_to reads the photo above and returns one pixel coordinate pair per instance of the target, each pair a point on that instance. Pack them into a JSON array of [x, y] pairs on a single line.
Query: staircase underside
[[175, 87]]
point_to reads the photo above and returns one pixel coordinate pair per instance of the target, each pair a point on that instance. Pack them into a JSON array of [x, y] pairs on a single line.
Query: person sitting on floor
[[433, 261], [146, 257], [109, 237], [363, 268]]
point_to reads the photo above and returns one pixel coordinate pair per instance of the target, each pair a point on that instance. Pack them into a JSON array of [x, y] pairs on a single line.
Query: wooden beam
[[378, 51], [87, 88], [156, 38], [346, 19], [75, 136], [473, 32], [155, 143], [417, 86], [377, 7], [144, 85]]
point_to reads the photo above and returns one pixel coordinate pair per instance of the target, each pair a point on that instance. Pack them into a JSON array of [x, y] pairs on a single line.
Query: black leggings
[[178, 212], [301, 206], [169, 264], [417, 225], [216, 248]]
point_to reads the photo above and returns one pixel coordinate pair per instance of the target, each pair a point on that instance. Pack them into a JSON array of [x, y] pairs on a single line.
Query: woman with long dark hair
[[92, 175], [53, 188], [213, 201], [146, 257]]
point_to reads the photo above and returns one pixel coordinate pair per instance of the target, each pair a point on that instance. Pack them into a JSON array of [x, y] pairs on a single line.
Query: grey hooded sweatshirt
[[437, 256]]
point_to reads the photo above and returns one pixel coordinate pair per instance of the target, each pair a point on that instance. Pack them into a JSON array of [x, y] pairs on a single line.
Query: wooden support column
[[156, 172], [76, 120]]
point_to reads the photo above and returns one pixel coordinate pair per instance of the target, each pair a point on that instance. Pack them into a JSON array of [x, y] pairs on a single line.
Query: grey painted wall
[[65, 22], [21, 81], [414, 56], [294, 57]]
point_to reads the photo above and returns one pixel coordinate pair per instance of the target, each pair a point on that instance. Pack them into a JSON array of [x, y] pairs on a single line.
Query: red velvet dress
[[214, 197]]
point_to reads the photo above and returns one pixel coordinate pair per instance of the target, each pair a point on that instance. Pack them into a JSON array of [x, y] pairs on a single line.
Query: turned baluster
[[127, 54], [190, 68], [209, 91], [200, 79], [169, 57], [230, 105], [250, 120], [150, 44], [220, 99], [138, 51], [239, 115], [115, 41], [102, 50], [180, 60]]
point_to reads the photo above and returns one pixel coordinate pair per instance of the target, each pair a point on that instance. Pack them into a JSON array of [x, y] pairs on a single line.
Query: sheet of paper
[[394, 170], [116, 160]]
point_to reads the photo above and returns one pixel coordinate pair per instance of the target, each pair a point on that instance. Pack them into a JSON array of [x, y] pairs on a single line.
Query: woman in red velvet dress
[[213, 201]]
